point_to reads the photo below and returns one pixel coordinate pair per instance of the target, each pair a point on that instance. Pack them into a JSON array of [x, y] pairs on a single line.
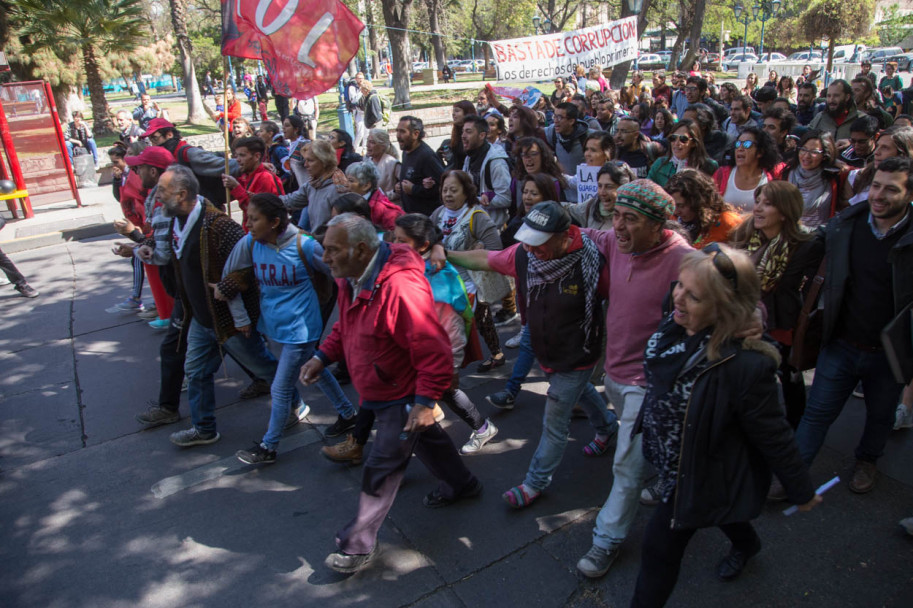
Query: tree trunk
[[195, 113], [620, 71], [101, 119], [434, 12], [66, 99], [697, 23], [830, 55], [396, 15], [373, 41]]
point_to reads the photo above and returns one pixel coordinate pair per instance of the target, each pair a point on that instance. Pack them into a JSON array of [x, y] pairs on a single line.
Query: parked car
[[805, 56], [904, 61], [880, 55], [772, 58], [732, 63], [737, 50], [649, 61], [847, 53], [666, 57]]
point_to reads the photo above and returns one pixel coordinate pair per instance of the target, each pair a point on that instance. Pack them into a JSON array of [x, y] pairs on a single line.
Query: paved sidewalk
[[98, 513]]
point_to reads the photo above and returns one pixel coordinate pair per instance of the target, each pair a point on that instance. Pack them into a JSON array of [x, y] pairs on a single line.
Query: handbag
[[810, 328]]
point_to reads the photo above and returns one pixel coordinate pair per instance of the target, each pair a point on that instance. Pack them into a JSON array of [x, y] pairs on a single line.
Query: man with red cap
[[207, 167]]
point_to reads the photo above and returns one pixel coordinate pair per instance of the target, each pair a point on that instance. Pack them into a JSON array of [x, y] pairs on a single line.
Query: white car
[[804, 56], [732, 63], [772, 58], [650, 61]]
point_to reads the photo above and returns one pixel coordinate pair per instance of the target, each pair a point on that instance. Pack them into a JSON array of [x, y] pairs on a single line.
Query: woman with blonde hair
[[385, 157], [751, 84], [712, 423], [320, 190]]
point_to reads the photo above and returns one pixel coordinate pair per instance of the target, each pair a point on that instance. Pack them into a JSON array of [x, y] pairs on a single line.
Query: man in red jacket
[[401, 362], [254, 178]]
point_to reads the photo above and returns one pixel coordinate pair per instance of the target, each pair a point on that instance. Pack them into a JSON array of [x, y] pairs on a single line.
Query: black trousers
[[172, 353], [9, 269], [663, 549]]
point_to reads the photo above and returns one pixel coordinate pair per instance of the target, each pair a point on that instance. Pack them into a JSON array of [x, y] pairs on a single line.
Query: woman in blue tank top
[[284, 262]]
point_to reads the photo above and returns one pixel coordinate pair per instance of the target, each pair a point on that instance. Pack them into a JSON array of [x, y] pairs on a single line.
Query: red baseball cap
[[157, 124], [154, 156]]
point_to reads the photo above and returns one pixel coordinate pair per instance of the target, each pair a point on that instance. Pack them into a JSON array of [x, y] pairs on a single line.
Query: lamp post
[[635, 6], [764, 11], [742, 16], [542, 26]]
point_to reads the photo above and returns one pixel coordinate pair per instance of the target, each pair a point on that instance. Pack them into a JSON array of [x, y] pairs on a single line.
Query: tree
[[396, 16], [195, 112], [94, 27], [696, 24], [558, 12], [835, 19], [620, 71]]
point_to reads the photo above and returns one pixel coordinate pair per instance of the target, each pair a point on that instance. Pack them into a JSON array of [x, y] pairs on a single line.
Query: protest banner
[[587, 187], [552, 55]]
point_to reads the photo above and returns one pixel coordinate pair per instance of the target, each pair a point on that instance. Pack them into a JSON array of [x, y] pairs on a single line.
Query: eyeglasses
[[747, 144], [811, 152], [530, 154], [723, 264], [682, 138]]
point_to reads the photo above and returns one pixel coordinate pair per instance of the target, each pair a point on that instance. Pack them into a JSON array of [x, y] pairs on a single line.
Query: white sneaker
[[514, 342], [477, 439], [4, 280], [903, 417]]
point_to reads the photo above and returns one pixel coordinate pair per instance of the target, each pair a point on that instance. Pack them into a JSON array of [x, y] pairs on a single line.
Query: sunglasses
[[723, 264], [682, 138], [747, 144]]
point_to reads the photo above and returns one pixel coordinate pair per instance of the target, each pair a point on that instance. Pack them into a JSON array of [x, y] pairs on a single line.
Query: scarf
[[815, 191], [180, 233], [769, 257], [459, 237], [667, 352], [544, 272], [680, 165]]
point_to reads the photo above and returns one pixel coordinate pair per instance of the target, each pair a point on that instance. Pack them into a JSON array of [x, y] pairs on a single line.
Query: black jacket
[[735, 432], [373, 111], [836, 236], [784, 303]]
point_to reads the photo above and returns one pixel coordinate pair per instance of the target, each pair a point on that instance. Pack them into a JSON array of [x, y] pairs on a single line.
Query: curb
[[56, 238]]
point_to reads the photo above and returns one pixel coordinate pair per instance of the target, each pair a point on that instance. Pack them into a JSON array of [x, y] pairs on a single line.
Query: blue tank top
[[289, 310]]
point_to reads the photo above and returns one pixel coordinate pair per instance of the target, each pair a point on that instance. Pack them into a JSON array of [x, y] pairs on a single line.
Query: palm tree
[[195, 112], [94, 27]]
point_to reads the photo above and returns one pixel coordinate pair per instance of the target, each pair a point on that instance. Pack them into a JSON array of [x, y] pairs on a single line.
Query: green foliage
[[894, 27]]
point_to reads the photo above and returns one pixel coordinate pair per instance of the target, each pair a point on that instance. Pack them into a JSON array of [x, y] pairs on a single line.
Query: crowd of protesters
[[766, 209]]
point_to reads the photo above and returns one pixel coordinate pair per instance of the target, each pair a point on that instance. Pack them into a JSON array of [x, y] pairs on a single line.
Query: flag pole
[[226, 84]]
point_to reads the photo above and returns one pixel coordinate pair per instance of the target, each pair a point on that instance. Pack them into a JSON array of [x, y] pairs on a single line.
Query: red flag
[[305, 44]]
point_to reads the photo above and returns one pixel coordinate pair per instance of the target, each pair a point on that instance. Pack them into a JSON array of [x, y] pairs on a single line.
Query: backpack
[[211, 187], [511, 163], [325, 287], [350, 105], [385, 107]]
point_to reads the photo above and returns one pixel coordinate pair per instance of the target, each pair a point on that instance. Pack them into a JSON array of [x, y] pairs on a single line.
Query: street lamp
[[542, 26], [741, 16], [765, 11], [635, 6], [536, 21]]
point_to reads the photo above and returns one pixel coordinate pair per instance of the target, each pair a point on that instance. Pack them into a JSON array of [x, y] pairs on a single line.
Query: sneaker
[[148, 313], [502, 399], [256, 455], [156, 415], [651, 495], [857, 392], [731, 566], [129, 305], [347, 563], [192, 436], [596, 562], [863, 477], [514, 342], [477, 439], [26, 291], [776, 493], [297, 415], [597, 447], [257, 388], [340, 427], [903, 417], [4, 281], [346, 452], [160, 324], [435, 500], [503, 317], [184, 384]]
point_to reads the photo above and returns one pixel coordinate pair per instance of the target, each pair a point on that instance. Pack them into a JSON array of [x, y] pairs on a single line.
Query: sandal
[[517, 497], [491, 363], [597, 447]]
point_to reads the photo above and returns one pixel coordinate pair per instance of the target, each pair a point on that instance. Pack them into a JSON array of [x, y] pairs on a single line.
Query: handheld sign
[[586, 182]]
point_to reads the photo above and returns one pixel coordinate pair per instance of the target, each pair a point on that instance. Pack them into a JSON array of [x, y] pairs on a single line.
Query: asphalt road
[[95, 512]]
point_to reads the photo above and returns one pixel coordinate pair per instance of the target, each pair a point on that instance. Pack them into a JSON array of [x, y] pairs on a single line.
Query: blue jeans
[[90, 144], [840, 366], [628, 470], [523, 364], [285, 395], [566, 389], [203, 361]]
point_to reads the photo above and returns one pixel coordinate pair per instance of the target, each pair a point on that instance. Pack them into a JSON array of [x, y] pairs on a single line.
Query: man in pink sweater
[[642, 258]]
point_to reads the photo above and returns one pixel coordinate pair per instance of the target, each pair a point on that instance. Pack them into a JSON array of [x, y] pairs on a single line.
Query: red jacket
[[261, 180], [721, 176], [390, 336], [133, 199], [383, 212]]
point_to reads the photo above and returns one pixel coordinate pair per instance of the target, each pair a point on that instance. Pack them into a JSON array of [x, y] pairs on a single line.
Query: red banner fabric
[[304, 44]]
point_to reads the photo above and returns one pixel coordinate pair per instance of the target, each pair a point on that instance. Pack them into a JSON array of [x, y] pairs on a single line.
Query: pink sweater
[[637, 286]]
